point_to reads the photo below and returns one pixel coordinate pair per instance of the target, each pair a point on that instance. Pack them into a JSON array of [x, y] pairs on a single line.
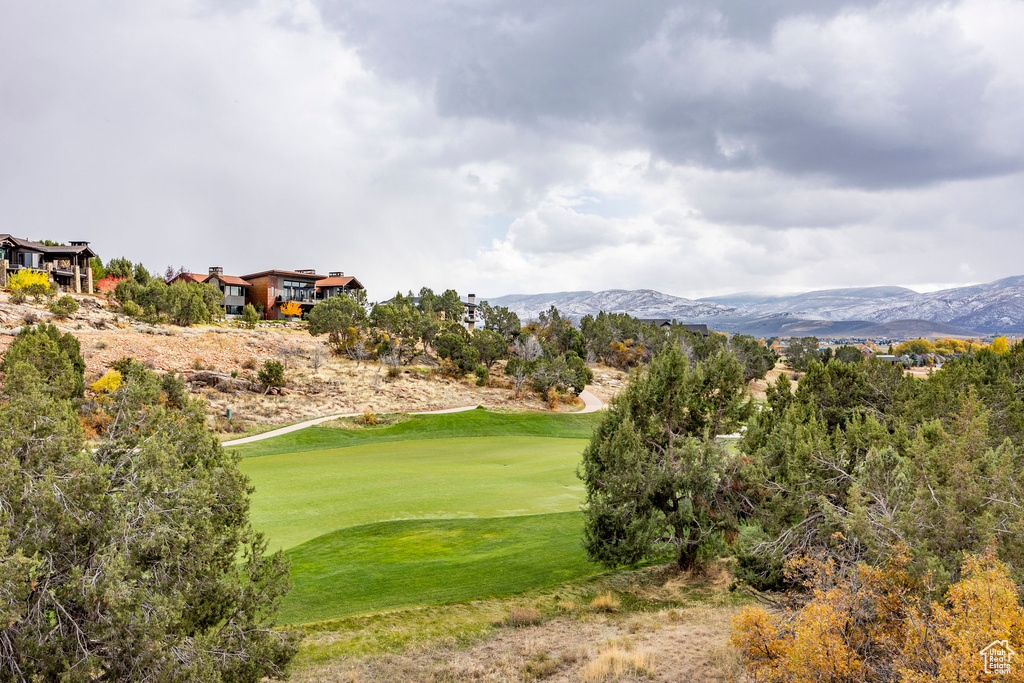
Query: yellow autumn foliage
[[108, 383], [291, 308], [948, 346], [626, 354], [28, 279], [877, 625], [999, 345]]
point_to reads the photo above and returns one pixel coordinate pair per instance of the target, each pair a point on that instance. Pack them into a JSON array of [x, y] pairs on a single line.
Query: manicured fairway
[[479, 422], [401, 564], [304, 495], [435, 509]]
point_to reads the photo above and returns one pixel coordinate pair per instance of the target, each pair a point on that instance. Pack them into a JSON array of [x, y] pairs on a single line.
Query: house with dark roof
[[67, 265], [665, 322]]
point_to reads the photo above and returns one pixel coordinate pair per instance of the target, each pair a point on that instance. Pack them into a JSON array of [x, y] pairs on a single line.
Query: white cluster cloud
[[696, 147]]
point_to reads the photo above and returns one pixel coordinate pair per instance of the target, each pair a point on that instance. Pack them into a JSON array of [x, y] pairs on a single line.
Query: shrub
[[53, 357], [551, 398], [94, 423], [615, 663], [131, 309], [523, 616], [367, 419], [108, 383], [541, 665], [880, 624], [605, 602], [456, 348], [133, 561], [29, 282], [482, 375], [394, 372], [18, 296], [249, 316], [174, 388], [271, 374], [249, 363], [64, 306], [292, 309]]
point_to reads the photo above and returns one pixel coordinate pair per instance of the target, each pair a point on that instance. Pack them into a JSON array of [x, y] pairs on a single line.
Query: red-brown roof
[[338, 282], [190, 277], [287, 273], [233, 280]]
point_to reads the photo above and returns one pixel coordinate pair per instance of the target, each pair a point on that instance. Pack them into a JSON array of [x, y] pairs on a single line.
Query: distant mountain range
[[890, 312]]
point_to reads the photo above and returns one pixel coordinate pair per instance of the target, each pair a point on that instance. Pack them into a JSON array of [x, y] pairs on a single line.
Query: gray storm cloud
[[692, 147]]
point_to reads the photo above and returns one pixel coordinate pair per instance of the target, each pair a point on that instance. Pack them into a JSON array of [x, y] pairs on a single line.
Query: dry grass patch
[[606, 602], [687, 630], [540, 665], [616, 662], [523, 616]]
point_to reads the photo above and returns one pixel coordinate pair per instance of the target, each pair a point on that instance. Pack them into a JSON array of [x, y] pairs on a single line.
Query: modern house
[[234, 289], [271, 288], [336, 284], [66, 265]]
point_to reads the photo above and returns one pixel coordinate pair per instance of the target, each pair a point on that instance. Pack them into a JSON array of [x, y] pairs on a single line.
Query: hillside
[[318, 383]]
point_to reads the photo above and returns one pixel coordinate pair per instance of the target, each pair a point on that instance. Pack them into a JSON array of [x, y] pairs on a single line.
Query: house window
[[232, 290], [296, 290], [233, 310], [29, 260]]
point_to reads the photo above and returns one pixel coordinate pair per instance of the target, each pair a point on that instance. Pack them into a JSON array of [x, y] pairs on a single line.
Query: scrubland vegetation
[[855, 521], [133, 560], [883, 510]]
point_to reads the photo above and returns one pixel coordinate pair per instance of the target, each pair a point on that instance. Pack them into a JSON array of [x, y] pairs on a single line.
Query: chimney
[[471, 312], [216, 270], [337, 273]]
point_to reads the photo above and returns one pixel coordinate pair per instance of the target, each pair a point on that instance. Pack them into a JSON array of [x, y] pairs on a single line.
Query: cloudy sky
[[695, 147]]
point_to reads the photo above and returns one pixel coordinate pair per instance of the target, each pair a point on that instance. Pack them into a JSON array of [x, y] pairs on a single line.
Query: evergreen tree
[[655, 475], [134, 560]]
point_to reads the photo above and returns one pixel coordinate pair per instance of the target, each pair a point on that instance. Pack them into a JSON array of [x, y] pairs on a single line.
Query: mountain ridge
[[995, 307]]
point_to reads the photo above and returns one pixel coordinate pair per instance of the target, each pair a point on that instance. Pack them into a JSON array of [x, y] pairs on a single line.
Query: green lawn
[[304, 495], [389, 565], [479, 422], [435, 509]]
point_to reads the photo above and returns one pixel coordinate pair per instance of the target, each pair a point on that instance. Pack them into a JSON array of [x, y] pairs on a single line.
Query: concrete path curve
[[285, 430], [591, 404], [309, 423]]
